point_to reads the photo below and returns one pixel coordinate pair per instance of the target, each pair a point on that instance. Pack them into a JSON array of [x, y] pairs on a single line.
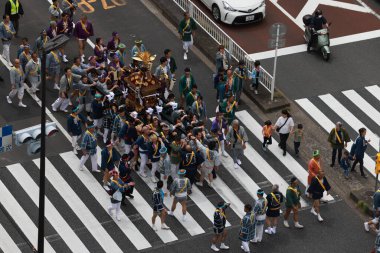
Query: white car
[[236, 11]]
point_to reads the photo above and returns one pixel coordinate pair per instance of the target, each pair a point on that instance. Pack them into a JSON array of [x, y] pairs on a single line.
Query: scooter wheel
[[326, 56]]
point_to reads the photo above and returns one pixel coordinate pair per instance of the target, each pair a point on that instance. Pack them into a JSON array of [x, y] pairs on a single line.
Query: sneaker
[[64, 58], [118, 217], [268, 231], [224, 153], [199, 184], [256, 92], [9, 100], [286, 224], [223, 246], [164, 226], [298, 225], [20, 104], [214, 248], [313, 211], [171, 213], [238, 161], [320, 219], [97, 170], [75, 151], [185, 56], [154, 227], [56, 86], [366, 226], [236, 166], [184, 217]]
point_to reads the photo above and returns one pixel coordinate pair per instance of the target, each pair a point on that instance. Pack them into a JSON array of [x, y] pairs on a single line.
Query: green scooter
[[322, 44]]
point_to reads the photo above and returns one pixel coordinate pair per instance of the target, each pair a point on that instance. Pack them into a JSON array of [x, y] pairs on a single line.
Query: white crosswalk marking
[[143, 208], [79, 208], [363, 105], [268, 172], [21, 218], [6, 242], [374, 90], [348, 117], [204, 204], [126, 225], [327, 124], [51, 213], [293, 166], [239, 175], [190, 224]]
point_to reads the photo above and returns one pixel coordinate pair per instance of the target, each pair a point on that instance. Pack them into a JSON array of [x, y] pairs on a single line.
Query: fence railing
[[212, 29]]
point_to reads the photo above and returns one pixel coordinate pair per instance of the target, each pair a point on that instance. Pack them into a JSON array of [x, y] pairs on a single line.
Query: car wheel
[[216, 12]]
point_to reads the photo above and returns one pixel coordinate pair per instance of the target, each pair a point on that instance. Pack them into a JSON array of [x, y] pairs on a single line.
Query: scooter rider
[[317, 23]]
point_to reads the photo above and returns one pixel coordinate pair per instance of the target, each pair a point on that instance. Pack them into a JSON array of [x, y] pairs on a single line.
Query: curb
[[363, 202]]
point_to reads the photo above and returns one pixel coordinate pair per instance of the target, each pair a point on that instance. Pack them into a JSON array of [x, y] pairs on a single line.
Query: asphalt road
[[341, 232]]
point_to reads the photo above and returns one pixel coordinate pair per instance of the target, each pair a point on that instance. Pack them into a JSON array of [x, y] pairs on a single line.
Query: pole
[[41, 210], [275, 63]]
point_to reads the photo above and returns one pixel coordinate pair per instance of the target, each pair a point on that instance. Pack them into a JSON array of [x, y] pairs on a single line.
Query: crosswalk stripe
[[21, 218], [327, 124], [374, 90], [228, 196], [79, 208], [293, 166], [190, 224], [51, 213], [363, 105], [239, 175], [144, 208], [85, 176], [6, 242], [203, 203], [268, 172], [348, 117]]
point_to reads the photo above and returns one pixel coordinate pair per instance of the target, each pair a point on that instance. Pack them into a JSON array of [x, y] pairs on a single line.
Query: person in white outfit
[[33, 74], [7, 32], [88, 146], [17, 81], [259, 209], [118, 187], [179, 189], [68, 80]]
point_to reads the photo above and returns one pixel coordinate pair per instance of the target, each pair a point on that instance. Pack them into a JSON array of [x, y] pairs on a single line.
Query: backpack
[[353, 148]]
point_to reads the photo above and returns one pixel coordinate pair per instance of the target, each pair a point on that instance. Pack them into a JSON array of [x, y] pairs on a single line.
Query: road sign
[[5, 138]]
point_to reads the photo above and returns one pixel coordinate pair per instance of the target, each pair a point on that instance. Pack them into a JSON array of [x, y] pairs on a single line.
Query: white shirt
[[286, 128]]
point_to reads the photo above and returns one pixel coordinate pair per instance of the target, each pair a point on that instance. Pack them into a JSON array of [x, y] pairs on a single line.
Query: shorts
[[158, 211], [206, 170], [218, 231], [180, 199], [273, 213]]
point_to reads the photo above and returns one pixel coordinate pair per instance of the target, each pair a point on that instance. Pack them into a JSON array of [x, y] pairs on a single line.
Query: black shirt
[[317, 22]]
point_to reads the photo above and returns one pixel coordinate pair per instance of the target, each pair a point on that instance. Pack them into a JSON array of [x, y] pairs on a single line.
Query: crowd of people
[[170, 142]]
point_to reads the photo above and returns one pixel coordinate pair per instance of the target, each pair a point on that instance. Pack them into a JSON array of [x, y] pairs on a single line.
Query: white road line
[[190, 224], [363, 105], [374, 90], [349, 118], [79, 208], [143, 207], [302, 47], [327, 125], [293, 166], [85, 176], [239, 174], [6, 242], [268, 172], [21, 218], [51, 213]]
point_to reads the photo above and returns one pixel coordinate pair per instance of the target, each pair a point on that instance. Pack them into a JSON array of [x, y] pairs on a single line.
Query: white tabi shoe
[[154, 227], [223, 246], [96, 170], [75, 151], [20, 104], [184, 217], [224, 153], [56, 86], [171, 213], [366, 226], [214, 248], [313, 211], [164, 226], [236, 166], [268, 231], [298, 225], [9, 100], [320, 219], [185, 56], [64, 58], [286, 224], [238, 162]]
